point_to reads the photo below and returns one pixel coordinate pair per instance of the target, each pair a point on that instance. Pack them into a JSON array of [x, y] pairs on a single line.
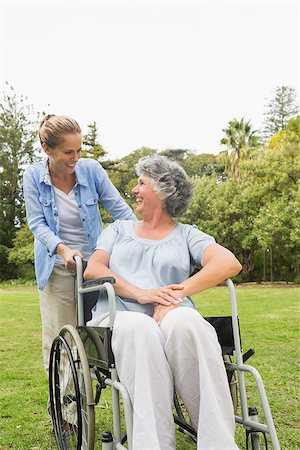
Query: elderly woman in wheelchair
[[159, 339]]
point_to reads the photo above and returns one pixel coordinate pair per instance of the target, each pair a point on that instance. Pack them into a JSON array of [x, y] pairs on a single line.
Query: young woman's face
[[63, 157], [147, 200]]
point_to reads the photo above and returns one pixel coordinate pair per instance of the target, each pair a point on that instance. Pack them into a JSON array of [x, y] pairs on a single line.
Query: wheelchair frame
[[83, 369]]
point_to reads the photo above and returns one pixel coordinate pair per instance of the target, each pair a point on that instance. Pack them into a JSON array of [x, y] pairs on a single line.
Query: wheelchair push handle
[[97, 284]]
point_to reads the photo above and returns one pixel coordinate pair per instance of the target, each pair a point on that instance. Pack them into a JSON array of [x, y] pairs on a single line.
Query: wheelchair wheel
[[71, 394]]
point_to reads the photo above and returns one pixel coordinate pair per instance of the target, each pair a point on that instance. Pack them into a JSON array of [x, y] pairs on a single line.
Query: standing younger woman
[[62, 195]]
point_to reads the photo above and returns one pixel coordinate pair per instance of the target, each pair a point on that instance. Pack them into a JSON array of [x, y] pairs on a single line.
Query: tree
[[279, 110], [239, 140], [257, 215], [277, 223], [227, 213], [92, 148], [195, 164], [123, 174], [21, 255], [202, 164], [18, 125], [177, 154]]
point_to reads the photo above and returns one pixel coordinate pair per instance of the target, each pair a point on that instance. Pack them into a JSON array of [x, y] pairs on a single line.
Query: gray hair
[[170, 181]]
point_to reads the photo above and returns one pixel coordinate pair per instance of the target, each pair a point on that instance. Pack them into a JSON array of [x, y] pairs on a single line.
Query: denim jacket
[[93, 186]]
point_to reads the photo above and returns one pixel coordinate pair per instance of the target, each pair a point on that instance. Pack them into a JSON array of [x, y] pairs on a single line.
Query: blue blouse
[[150, 264]]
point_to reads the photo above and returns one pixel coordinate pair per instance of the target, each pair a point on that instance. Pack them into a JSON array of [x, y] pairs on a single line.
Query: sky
[[159, 74]]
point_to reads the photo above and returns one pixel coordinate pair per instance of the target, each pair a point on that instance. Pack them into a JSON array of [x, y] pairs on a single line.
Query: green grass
[[269, 322]]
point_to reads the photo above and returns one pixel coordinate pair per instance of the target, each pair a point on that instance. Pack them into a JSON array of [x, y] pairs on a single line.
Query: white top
[[148, 263], [70, 225]]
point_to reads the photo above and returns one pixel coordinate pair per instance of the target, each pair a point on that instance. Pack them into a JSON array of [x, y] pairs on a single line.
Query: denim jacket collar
[[80, 179], [45, 174]]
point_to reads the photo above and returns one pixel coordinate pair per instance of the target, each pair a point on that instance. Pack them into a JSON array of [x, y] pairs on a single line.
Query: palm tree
[[239, 139]]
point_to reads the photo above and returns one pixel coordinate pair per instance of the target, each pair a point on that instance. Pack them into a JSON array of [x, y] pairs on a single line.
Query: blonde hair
[[53, 129]]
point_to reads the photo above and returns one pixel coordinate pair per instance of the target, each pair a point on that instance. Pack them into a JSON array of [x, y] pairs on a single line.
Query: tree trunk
[[271, 264], [248, 264]]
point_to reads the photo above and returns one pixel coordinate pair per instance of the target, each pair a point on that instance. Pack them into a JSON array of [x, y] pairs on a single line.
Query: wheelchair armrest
[[98, 282]]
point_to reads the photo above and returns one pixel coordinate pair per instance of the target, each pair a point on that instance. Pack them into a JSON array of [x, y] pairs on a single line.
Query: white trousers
[[58, 307], [184, 351]]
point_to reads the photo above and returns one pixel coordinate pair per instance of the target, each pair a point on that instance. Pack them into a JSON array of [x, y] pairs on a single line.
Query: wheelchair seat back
[[224, 330]]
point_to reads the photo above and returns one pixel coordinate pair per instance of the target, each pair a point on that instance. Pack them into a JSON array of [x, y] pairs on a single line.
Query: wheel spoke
[[73, 420]]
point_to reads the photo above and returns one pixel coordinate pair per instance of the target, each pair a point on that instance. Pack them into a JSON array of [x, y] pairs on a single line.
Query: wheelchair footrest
[[185, 426]]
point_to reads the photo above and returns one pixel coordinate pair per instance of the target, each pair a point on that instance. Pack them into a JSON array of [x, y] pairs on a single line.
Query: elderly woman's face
[[147, 200]]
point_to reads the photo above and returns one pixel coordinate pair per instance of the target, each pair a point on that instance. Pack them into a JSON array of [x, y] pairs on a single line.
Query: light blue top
[[150, 264], [92, 186]]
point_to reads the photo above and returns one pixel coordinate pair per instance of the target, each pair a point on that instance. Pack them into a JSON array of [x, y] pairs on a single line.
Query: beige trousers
[[58, 307]]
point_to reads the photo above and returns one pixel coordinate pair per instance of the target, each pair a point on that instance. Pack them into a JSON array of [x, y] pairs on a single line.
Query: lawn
[[269, 321]]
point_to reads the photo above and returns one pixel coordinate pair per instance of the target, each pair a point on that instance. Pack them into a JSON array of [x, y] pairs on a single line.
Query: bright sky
[[162, 74]]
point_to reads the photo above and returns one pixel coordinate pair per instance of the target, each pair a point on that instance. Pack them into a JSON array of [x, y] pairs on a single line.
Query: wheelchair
[[82, 365]]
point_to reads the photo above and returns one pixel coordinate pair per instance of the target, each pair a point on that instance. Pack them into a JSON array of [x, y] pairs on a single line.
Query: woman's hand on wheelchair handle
[[68, 255]]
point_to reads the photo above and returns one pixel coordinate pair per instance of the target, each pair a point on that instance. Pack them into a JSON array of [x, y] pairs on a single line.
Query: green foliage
[[122, 173], [3, 259], [279, 110], [177, 154], [21, 255], [18, 123], [258, 213], [240, 141], [223, 210], [248, 196], [92, 148], [22, 250], [277, 223], [17, 138], [202, 164]]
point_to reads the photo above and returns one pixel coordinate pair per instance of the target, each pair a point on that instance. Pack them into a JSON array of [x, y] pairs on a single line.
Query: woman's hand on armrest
[[218, 264], [97, 266]]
